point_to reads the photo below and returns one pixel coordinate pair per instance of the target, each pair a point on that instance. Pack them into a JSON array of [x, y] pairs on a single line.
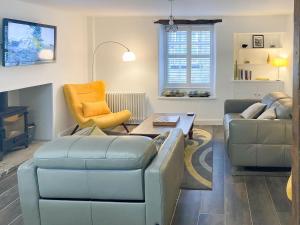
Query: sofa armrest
[[163, 179], [238, 105], [29, 193], [268, 132]]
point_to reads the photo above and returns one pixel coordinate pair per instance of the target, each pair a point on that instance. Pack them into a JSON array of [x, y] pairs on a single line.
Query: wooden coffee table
[[146, 128]]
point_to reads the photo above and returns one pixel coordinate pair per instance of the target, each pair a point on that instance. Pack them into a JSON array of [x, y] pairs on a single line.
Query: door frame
[[296, 118]]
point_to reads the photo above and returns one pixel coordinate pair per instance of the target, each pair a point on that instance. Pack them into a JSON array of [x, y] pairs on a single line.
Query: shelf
[[255, 64], [257, 81], [255, 49]]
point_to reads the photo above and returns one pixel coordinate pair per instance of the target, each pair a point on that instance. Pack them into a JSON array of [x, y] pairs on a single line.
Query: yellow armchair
[[78, 95]]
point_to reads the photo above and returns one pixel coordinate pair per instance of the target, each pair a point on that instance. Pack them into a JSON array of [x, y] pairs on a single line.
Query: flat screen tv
[[26, 43]]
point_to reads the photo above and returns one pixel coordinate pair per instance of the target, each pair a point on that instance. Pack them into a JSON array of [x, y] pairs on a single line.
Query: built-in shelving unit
[[258, 61]]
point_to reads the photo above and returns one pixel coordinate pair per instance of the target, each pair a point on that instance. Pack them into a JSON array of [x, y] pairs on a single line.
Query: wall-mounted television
[[27, 43]]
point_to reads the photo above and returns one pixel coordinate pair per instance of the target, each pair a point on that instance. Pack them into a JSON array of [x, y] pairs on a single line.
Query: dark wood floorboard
[[8, 196], [285, 218], [188, 206], [237, 210], [8, 182], [211, 219], [234, 200], [10, 212], [277, 188], [262, 208]]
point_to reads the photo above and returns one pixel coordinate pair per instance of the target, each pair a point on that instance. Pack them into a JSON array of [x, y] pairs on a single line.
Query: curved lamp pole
[[128, 56]]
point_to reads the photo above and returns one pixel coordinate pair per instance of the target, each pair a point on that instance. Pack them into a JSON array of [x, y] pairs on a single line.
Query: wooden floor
[[247, 200], [243, 200]]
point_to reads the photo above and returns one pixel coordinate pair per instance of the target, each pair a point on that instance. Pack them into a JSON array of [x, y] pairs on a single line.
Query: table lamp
[[279, 62], [128, 56]]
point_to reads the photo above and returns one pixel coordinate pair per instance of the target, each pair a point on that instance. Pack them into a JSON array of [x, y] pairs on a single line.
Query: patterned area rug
[[198, 160]]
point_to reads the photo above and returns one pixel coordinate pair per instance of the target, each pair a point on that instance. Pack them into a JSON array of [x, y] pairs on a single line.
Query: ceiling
[[181, 7]]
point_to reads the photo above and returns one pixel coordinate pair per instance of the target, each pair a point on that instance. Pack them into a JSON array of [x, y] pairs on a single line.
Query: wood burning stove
[[13, 126]]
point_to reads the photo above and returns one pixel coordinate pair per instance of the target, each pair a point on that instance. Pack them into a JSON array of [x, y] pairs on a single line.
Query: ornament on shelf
[[269, 59]]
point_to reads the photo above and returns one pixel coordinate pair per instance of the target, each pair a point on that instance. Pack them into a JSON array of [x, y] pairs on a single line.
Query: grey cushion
[[160, 139], [269, 114], [93, 152], [253, 111], [283, 108], [269, 99]]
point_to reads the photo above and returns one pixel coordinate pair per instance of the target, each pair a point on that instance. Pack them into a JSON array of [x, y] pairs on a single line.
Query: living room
[[194, 68]]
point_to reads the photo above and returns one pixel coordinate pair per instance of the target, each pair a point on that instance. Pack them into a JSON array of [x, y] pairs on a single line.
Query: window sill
[[187, 98]]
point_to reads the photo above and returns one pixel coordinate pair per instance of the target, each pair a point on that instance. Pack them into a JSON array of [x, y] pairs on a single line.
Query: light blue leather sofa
[[259, 143], [102, 181]]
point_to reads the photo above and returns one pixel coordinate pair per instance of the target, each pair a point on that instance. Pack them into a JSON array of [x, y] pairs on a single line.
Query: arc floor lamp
[[128, 56]]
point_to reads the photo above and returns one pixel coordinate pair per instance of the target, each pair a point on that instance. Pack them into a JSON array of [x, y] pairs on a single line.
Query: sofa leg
[[125, 127], [75, 129]]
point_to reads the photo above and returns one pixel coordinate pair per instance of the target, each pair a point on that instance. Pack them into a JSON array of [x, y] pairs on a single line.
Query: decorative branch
[[190, 22]]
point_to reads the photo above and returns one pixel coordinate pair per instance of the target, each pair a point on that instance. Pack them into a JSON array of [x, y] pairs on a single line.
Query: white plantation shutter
[[177, 57], [189, 53], [201, 57]]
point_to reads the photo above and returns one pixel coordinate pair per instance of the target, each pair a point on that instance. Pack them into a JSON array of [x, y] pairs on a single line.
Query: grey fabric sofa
[[259, 143], [102, 180]]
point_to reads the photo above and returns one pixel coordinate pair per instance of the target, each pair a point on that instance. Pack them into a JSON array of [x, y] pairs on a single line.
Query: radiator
[[134, 102]]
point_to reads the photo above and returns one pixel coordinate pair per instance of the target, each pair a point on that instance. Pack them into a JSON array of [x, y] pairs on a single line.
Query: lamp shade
[[128, 56], [280, 62]]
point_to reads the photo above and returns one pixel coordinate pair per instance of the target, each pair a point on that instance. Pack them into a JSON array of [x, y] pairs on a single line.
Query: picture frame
[[258, 41]]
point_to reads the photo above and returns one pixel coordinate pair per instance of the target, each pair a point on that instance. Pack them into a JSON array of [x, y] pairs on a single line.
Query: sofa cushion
[[269, 99], [253, 111], [269, 114], [283, 108], [94, 152], [91, 184], [160, 139]]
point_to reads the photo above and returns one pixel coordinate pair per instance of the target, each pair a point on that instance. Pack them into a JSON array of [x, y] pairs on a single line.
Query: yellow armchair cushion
[[95, 108]]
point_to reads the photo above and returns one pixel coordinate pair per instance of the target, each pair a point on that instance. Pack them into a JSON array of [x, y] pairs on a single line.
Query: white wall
[[71, 65], [141, 36]]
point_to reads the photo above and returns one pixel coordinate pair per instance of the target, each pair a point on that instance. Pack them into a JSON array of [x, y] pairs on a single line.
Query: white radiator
[[134, 102]]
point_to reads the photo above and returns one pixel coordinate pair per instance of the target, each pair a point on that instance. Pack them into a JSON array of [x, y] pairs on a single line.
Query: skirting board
[[209, 122]]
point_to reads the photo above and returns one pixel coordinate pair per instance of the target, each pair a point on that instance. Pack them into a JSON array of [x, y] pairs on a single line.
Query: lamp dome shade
[[280, 62], [128, 56]]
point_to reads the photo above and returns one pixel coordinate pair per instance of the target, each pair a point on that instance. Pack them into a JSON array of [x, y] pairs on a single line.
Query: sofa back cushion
[[96, 153], [283, 108], [269, 99]]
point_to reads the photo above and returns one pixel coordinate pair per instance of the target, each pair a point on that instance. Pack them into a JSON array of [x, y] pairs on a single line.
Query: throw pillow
[[160, 139], [253, 111], [90, 131], [95, 108], [269, 114]]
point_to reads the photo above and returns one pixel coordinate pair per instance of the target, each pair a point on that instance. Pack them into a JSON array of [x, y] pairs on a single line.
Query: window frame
[[189, 56]]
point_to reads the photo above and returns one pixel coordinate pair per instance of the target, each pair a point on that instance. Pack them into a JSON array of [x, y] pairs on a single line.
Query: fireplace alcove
[[30, 105], [13, 126]]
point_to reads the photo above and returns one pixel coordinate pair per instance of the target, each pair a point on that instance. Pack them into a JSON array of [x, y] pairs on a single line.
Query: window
[[188, 57]]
